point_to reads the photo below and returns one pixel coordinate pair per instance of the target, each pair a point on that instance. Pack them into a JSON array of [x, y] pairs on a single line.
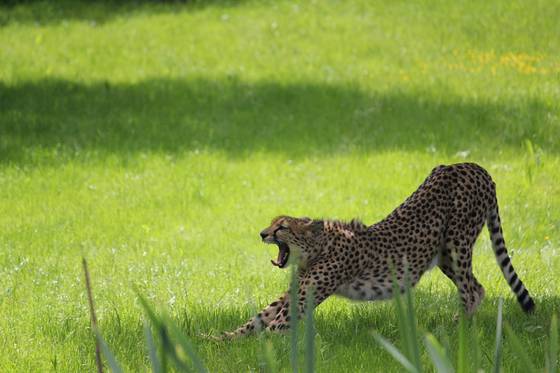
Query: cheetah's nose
[[263, 235]]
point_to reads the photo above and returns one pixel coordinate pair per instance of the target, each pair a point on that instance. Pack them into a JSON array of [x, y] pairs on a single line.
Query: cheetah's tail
[[504, 261]]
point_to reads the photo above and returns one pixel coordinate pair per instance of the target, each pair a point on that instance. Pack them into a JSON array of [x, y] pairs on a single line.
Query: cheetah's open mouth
[[283, 255]]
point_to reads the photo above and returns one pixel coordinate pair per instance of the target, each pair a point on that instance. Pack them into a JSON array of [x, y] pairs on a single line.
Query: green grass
[[157, 140]]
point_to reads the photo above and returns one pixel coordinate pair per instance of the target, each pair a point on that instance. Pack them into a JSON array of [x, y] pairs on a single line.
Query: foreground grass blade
[[148, 309], [397, 355], [411, 323], [520, 351], [462, 349], [115, 367], [438, 355], [309, 332], [530, 163], [553, 350], [170, 350], [294, 319], [156, 364], [267, 356], [186, 345], [498, 347], [92, 315], [475, 346], [168, 347], [401, 316], [158, 326]]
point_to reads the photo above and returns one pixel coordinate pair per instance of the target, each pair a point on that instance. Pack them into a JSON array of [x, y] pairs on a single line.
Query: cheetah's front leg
[[317, 281], [259, 322]]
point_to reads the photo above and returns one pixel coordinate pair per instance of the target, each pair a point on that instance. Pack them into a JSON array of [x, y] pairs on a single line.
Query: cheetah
[[436, 226]]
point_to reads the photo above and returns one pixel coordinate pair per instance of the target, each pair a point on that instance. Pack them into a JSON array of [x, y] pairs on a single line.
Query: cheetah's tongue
[[283, 254]]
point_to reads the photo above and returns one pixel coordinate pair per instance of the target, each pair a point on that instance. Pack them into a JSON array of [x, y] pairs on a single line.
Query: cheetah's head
[[299, 235]]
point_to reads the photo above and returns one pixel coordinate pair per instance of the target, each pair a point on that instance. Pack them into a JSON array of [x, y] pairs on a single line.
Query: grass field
[[157, 140]]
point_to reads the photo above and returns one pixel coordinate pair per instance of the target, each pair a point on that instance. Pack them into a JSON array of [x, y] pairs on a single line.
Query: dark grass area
[[347, 327], [43, 12], [295, 120]]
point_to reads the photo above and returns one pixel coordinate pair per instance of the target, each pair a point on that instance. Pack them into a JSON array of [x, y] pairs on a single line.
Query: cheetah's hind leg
[[458, 268]]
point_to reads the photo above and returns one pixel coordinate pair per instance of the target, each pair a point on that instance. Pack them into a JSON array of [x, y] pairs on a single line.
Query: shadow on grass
[[51, 12], [436, 313], [345, 331], [66, 120]]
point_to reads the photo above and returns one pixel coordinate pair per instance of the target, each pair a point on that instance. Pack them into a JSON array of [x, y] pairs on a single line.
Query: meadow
[[157, 140]]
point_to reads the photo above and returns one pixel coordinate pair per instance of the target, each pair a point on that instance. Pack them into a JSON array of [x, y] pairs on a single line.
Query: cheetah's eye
[[280, 228]]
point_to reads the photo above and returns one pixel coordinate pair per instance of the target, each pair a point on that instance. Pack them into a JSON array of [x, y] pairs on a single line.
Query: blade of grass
[[168, 347], [395, 353], [438, 355], [530, 161], [186, 345], [475, 345], [149, 311], [267, 356], [170, 350], [553, 350], [401, 316], [520, 351], [462, 349], [309, 332], [498, 346], [115, 367], [294, 319], [411, 321], [92, 315], [156, 364], [156, 322]]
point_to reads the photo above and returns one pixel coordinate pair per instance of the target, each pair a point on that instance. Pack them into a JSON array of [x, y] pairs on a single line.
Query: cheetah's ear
[[278, 218], [313, 226]]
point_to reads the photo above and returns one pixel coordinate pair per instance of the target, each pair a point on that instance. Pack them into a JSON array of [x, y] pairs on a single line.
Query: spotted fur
[[437, 225]]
